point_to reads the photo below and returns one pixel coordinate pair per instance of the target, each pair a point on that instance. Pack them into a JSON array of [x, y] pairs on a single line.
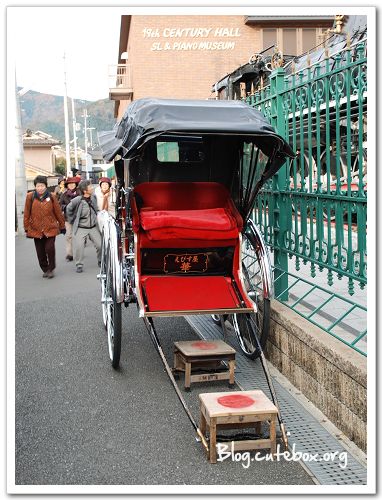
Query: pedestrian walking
[[60, 188], [106, 198], [43, 221], [71, 191], [82, 214]]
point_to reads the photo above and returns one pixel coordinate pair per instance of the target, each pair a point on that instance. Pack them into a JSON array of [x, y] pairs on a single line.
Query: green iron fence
[[313, 212]]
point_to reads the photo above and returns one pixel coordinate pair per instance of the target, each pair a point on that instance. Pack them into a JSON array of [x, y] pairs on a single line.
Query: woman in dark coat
[[71, 191], [43, 221]]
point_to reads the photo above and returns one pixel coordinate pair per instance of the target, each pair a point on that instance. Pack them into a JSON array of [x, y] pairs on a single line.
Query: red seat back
[[182, 195]]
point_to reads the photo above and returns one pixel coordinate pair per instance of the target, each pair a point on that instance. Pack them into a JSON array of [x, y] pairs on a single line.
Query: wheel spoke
[[252, 267]]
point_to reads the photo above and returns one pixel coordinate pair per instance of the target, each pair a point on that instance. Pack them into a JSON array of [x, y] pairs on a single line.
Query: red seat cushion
[[207, 224], [215, 219], [172, 214]]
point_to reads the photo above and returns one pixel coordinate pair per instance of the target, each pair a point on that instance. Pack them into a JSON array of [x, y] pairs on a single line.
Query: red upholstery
[[176, 233], [182, 211], [182, 195], [187, 215], [178, 293], [207, 224], [215, 219], [145, 242]]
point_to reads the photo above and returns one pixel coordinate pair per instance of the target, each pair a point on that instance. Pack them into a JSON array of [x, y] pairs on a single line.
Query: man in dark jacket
[[82, 214]]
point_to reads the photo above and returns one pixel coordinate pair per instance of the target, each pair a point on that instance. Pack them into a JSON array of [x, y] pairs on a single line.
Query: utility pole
[[66, 115], [21, 182], [74, 135], [85, 116], [91, 135]]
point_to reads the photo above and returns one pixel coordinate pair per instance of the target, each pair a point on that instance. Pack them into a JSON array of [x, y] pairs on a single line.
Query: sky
[[38, 37]]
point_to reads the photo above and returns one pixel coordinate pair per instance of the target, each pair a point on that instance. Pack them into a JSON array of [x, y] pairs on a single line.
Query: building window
[[309, 39], [291, 41], [269, 37]]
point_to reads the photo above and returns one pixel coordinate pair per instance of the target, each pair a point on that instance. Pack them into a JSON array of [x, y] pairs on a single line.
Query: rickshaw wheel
[[113, 315], [103, 282], [256, 280], [110, 279]]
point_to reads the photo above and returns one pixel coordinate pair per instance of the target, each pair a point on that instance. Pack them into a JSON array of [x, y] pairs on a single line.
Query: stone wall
[[329, 373]]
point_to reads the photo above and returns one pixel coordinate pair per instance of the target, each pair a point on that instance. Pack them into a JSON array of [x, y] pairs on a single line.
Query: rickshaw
[[183, 242]]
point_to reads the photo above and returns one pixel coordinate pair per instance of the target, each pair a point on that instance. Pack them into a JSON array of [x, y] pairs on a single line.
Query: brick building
[[182, 56]]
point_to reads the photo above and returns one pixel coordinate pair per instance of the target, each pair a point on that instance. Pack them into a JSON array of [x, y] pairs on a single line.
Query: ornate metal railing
[[314, 209]]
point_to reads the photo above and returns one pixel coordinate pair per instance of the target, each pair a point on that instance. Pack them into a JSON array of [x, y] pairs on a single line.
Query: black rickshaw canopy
[[241, 149], [148, 118]]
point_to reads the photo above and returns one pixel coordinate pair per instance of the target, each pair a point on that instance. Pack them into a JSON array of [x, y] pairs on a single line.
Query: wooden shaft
[[284, 434], [202, 439]]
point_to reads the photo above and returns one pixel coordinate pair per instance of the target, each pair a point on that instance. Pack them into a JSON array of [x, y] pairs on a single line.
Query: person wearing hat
[[71, 191], [60, 188], [43, 221], [106, 197]]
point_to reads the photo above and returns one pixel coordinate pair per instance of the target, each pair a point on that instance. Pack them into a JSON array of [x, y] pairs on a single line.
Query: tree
[[60, 166]]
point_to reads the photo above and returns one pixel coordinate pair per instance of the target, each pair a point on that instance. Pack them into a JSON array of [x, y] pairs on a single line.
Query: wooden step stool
[[204, 354], [240, 409]]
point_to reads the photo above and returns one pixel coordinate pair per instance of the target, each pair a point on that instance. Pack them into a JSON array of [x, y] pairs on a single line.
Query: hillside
[[45, 112]]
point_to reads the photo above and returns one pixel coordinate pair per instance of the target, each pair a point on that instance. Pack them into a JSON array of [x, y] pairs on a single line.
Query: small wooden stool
[[238, 409], [204, 354]]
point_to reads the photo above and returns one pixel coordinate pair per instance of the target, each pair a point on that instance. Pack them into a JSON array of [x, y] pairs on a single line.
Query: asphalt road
[[78, 421]]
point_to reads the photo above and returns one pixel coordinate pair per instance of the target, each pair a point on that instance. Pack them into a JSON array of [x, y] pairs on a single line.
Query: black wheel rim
[[103, 286], [110, 314], [253, 281]]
